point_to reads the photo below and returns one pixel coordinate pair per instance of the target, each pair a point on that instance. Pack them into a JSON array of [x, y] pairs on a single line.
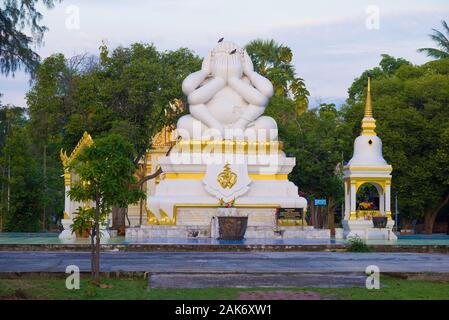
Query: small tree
[[106, 173]]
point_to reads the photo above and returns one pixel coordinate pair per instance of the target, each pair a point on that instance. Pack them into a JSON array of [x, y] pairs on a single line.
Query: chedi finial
[[368, 122], [368, 104]]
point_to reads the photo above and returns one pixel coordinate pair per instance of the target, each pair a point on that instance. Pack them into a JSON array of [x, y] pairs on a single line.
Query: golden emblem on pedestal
[[227, 178]]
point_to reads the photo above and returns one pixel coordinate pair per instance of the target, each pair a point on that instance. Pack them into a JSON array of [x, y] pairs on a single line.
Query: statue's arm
[[261, 83], [206, 92], [251, 94], [193, 81]]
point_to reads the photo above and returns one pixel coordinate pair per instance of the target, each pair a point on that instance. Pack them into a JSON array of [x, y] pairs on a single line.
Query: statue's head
[[224, 49]]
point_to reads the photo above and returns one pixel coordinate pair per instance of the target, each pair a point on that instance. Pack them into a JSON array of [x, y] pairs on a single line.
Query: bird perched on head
[[220, 40], [233, 51]]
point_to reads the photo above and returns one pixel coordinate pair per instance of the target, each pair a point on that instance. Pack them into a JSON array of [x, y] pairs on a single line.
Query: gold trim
[[67, 178], [368, 122], [291, 223], [353, 215], [363, 213], [368, 104], [85, 141], [229, 146], [389, 168], [151, 217], [165, 220], [198, 176], [163, 138], [227, 179], [205, 205]]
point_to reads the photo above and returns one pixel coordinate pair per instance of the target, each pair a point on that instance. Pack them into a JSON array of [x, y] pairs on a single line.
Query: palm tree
[[441, 41], [274, 61]]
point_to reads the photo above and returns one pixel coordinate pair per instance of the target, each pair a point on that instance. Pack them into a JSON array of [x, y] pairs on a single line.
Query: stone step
[[255, 280]]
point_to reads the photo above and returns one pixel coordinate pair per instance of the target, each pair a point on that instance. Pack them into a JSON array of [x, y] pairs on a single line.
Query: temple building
[[137, 213], [222, 172], [226, 176], [367, 184]]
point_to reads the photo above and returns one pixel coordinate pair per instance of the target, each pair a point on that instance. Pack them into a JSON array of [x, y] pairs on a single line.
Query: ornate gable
[[85, 141]]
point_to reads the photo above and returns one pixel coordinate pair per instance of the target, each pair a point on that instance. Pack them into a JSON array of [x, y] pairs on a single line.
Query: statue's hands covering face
[[248, 66], [235, 69], [220, 67], [206, 66]]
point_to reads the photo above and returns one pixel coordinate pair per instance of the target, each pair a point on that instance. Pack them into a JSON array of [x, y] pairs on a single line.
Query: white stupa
[[367, 166]]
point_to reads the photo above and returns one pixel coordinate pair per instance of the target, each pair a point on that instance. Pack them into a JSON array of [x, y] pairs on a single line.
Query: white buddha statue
[[227, 99]]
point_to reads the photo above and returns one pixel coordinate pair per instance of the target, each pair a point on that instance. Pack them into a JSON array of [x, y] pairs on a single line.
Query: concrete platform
[[253, 280]]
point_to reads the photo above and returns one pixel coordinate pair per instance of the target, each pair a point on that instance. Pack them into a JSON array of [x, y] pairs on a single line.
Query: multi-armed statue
[[227, 99]]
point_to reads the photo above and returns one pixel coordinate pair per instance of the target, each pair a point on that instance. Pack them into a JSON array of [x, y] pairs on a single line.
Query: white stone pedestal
[[202, 223], [67, 234], [364, 229]]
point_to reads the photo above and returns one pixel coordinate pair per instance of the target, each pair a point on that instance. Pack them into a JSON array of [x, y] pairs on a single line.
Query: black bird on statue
[[220, 40], [233, 51]]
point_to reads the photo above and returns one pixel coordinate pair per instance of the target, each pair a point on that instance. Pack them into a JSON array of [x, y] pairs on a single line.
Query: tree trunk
[[96, 256], [331, 216], [429, 221], [141, 209], [431, 215], [118, 218], [312, 213], [44, 212], [8, 191], [2, 205], [319, 220]]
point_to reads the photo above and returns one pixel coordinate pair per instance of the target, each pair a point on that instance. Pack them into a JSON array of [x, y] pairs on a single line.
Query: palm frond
[[441, 41], [434, 53]]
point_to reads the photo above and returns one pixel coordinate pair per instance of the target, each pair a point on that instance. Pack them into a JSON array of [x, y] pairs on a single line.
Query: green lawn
[[53, 288]]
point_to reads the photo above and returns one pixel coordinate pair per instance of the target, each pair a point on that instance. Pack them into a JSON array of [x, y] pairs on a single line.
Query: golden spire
[[368, 104], [368, 122]]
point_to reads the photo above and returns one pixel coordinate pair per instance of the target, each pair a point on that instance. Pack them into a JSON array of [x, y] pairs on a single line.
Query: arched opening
[[369, 200]]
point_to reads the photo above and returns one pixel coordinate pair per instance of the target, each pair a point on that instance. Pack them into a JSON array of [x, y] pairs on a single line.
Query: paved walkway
[[244, 262]]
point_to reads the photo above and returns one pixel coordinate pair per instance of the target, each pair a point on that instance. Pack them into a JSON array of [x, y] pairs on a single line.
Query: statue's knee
[[184, 127], [266, 129], [189, 128]]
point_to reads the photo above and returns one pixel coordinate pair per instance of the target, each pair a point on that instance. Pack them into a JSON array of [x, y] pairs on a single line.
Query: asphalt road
[[244, 262]]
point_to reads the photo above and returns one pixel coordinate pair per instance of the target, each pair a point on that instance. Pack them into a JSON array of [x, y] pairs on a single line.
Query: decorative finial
[[368, 122], [368, 105]]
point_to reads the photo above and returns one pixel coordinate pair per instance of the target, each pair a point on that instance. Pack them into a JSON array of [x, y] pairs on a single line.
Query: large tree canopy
[[128, 91], [274, 61], [15, 45], [411, 106]]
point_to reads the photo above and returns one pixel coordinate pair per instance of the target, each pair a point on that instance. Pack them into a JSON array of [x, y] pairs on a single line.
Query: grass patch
[[357, 245], [136, 289]]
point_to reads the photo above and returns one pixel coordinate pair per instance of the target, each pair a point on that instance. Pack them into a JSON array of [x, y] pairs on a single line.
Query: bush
[[357, 245]]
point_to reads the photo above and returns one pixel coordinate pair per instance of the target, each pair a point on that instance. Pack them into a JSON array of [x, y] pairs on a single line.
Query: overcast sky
[[332, 41]]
